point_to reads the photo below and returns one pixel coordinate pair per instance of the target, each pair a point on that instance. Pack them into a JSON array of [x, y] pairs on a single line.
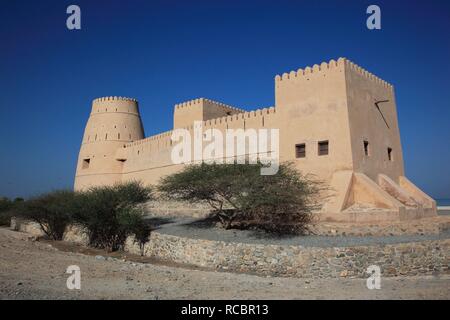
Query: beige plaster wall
[[149, 159], [311, 107], [366, 123]]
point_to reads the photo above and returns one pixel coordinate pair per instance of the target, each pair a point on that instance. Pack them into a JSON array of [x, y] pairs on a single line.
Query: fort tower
[[113, 122]]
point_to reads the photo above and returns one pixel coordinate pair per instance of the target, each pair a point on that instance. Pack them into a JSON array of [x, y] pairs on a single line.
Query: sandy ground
[[36, 270]]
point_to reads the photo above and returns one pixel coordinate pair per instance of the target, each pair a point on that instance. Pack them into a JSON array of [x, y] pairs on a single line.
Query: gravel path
[[190, 227], [36, 270]]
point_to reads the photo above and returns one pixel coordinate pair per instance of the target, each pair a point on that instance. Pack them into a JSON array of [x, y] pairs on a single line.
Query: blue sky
[[166, 52]]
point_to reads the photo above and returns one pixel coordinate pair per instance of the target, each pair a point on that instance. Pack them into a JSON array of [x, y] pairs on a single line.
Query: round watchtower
[[113, 122]]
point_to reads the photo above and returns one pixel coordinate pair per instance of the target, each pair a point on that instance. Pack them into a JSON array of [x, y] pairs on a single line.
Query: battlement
[[159, 136], [363, 72], [325, 67], [115, 105], [189, 103], [200, 101], [240, 116], [201, 109], [114, 99], [166, 136]]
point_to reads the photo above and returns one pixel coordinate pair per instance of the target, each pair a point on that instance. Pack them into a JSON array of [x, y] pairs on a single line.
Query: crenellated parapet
[[157, 137], [364, 73], [190, 103], [166, 136], [245, 115], [204, 101], [306, 72], [114, 99], [201, 109], [115, 104], [326, 67]]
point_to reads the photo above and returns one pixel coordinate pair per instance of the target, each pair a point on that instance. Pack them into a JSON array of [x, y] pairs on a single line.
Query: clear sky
[[166, 52]]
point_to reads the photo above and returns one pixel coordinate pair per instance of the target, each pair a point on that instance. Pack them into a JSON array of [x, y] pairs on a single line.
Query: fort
[[336, 121]]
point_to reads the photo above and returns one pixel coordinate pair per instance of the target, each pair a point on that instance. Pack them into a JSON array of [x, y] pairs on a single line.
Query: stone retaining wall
[[434, 225], [73, 233], [405, 259], [171, 208], [427, 257]]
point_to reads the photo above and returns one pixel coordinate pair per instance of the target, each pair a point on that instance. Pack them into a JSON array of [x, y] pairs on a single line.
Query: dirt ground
[[37, 270]]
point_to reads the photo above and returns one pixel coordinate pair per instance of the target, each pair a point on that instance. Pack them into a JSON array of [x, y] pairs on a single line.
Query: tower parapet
[[325, 67]]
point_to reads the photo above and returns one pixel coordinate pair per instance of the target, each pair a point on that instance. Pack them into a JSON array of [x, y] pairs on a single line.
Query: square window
[[323, 148], [300, 150], [85, 164]]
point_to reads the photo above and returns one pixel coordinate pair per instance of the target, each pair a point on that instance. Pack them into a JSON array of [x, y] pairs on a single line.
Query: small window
[[85, 164], [389, 150], [300, 150], [323, 148], [366, 147]]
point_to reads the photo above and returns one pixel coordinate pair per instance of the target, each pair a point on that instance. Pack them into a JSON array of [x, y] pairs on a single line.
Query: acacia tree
[[111, 213], [210, 183], [284, 202], [240, 192], [51, 211]]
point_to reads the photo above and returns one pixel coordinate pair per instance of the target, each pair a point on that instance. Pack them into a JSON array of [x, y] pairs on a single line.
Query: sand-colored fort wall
[[312, 106], [367, 124], [149, 159]]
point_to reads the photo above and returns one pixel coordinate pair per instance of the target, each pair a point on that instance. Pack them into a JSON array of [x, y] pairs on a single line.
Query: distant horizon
[[163, 53]]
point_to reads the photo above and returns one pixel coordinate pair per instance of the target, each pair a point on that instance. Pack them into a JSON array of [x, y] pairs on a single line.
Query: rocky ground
[[36, 270]]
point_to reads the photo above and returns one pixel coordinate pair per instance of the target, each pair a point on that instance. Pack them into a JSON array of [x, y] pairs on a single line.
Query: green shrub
[[5, 215], [111, 213], [282, 202], [52, 211]]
